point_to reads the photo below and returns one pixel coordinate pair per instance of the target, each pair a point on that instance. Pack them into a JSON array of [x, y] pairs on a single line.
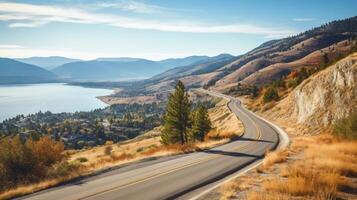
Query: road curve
[[176, 176]]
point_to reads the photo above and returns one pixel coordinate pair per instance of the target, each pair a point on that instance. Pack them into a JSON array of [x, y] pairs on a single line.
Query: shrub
[[27, 161], [140, 149], [108, 150], [143, 149], [271, 94], [82, 159], [346, 127], [64, 168]]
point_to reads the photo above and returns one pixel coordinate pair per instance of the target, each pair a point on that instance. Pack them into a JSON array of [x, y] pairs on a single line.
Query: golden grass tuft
[[229, 190], [172, 149], [27, 189], [258, 195], [272, 158]]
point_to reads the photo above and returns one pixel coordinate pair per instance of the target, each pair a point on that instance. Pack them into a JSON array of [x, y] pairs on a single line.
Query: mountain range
[[108, 70], [100, 69], [13, 71], [47, 62]]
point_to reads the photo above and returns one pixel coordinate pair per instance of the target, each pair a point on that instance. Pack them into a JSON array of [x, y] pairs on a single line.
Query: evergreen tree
[[176, 119], [271, 94], [201, 123], [254, 91]]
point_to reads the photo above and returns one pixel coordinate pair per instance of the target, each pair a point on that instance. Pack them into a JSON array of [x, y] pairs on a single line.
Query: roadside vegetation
[[30, 161], [316, 168], [346, 128]]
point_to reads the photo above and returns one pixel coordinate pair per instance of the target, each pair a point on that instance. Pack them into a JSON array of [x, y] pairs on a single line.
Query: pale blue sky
[[155, 29]]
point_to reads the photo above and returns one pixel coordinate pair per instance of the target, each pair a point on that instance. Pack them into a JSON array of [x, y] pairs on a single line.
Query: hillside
[[47, 62], [194, 75], [108, 70], [321, 99], [12, 71], [209, 64], [276, 58]]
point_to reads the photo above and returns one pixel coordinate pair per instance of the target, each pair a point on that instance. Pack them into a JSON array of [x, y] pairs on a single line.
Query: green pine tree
[[176, 118], [201, 123]]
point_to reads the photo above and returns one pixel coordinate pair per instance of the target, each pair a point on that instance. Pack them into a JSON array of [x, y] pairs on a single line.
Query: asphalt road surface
[[172, 177]]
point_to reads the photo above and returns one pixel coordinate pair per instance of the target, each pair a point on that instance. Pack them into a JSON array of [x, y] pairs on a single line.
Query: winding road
[[177, 177]]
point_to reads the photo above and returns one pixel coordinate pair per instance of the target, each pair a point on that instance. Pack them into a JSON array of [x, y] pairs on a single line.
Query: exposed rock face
[[321, 99]]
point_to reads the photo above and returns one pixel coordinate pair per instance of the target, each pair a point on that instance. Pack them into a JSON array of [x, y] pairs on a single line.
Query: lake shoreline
[[25, 99]]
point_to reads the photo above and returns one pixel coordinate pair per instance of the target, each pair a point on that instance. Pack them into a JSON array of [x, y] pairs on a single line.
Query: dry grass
[[272, 158], [225, 123], [27, 189], [316, 168], [229, 190], [320, 173], [258, 195]]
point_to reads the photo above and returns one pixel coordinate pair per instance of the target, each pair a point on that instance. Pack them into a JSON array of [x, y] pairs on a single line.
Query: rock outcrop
[[321, 99]]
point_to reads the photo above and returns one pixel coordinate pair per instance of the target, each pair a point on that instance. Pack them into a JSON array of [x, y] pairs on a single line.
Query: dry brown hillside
[[321, 99], [277, 58], [309, 52]]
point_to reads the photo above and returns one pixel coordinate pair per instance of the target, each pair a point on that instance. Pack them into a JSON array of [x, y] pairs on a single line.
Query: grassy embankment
[[318, 167]]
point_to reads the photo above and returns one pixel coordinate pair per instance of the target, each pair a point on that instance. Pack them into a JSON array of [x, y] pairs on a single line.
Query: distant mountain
[[202, 66], [167, 63], [177, 62], [47, 62], [15, 72], [193, 75], [108, 70], [122, 59]]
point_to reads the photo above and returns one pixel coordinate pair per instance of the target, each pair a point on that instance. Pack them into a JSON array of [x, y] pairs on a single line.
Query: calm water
[[55, 97]]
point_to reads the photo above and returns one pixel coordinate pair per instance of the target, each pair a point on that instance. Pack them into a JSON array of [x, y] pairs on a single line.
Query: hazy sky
[[155, 29]]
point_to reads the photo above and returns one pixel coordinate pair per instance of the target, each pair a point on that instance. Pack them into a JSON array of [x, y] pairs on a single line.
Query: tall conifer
[[176, 118], [201, 123]]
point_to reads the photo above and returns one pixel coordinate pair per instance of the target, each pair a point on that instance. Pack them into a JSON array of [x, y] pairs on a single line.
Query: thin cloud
[[30, 24], [140, 7], [134, 6], [10, 46], [303, 19], [29, 15]]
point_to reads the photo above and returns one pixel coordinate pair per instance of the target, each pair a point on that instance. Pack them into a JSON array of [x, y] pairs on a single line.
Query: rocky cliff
[[321, 99]]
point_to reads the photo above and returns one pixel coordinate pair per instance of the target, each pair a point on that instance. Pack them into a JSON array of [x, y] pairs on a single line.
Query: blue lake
[[54, 97]]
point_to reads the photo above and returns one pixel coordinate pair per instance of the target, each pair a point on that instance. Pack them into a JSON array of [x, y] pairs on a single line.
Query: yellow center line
[[177, 168]]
